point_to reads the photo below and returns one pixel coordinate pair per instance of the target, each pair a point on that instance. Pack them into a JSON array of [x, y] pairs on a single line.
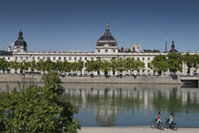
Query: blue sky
[[64, 25]]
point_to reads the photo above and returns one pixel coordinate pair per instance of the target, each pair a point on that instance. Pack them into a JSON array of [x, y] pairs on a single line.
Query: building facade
[[106, 48]]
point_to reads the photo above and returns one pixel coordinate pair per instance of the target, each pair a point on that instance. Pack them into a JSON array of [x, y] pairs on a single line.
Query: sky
[[76, 25]]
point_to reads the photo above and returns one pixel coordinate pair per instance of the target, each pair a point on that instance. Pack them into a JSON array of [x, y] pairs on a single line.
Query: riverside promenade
[[134, 130]]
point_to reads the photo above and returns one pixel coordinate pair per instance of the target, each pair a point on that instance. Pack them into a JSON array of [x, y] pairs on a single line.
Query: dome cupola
[[107, 38], [20, 45]]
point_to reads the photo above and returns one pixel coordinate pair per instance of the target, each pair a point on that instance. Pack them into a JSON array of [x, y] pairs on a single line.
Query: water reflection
[[108, 101], [130, 105]]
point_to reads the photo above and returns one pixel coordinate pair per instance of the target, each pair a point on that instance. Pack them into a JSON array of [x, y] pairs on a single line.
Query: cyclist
[[158, 121], [171, 120]]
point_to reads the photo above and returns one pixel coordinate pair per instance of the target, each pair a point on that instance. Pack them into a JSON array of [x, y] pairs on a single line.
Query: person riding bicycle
[[171, 120], [158, 120]]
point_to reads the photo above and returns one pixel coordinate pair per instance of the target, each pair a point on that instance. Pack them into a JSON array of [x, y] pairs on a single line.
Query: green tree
[[138, 65], [159, 64], [174, 62], [14, 65], [113, 65], [80, 65], [49, 65], [129, 64], [24, 66], [38, 109], [74, 67], [40, 65], [67, 66], [105, 66], [191, 61], [195, 61], [93, 66], [120, 65], [3, 64]]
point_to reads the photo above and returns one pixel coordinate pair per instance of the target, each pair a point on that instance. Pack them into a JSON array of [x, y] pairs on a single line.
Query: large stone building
[[105, 49]]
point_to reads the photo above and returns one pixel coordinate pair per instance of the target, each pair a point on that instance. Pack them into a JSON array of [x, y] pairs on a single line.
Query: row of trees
[[173, 62], [118, 64], [45, 66]]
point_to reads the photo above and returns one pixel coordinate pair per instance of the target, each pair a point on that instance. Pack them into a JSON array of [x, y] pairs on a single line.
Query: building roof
[[173, 50], [3, 52], [20, 41], [107, 38]]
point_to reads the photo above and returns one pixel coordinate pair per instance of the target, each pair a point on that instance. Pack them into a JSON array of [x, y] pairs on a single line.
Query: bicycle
[[173, 125], [154, 124]]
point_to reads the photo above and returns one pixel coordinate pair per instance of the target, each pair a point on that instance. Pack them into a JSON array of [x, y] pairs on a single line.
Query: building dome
[[107, 38], [173, 50], [20, 41]]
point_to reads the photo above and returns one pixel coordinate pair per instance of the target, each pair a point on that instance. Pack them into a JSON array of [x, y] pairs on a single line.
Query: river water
[[132, 104]]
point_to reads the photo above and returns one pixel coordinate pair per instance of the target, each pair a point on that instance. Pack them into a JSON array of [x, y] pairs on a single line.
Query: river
[[131, 104]]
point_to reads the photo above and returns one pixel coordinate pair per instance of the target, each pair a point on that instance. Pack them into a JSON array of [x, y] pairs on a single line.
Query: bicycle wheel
[[166, 125], [152, 124], [161, 126], [174, 126]]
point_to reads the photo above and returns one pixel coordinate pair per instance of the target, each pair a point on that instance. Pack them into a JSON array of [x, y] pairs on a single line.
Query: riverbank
[[134, 130], [97, 79]]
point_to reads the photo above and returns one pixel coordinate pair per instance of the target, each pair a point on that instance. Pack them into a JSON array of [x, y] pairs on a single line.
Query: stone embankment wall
[[96, 79]]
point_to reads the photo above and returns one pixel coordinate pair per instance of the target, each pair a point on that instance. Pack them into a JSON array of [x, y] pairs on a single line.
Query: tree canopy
[[37, 109]]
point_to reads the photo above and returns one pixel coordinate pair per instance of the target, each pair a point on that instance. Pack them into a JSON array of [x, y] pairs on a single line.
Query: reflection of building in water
[[109, 102], [190, 95], [145, 96], [106, 115]]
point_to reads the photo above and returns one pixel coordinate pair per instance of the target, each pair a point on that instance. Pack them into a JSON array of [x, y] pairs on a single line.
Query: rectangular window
[[69, 58], [85, 58], [64, 58], [138, 58], [59, 58], [113, 50], [22, 58], [44, 58], [75, 58], [106, 50], [148, 58], [54, 58], [26, 58], [38, 58], [8, 58], [98, 50], [80, 58], [143, 58], [33, 58], [91, 58]]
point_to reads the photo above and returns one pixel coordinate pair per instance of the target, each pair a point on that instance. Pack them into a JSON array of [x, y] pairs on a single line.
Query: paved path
[[134, 130]]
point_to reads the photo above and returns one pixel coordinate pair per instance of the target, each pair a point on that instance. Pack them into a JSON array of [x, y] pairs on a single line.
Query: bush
[[37, 109]]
